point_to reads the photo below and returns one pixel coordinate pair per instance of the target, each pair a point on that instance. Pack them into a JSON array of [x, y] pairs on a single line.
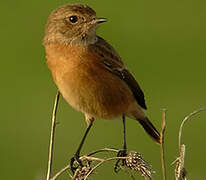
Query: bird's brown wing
[[113, 63]]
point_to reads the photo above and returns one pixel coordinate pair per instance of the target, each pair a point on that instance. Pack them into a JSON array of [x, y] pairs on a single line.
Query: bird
[[90, 74]]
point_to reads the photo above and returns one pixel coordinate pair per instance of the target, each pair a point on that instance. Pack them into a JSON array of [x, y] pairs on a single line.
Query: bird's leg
[[123, 151], [77, 154]]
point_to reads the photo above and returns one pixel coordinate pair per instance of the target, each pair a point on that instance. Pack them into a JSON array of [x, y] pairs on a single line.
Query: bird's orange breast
[[85, 84]]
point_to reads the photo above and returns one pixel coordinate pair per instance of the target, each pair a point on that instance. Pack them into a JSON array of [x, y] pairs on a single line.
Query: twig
[[88, 170], [60, 172], [103, 150], [101, 162], [134, 161], [87, 157], [52, 133], [184, 121], [180, 171], [162, 144]]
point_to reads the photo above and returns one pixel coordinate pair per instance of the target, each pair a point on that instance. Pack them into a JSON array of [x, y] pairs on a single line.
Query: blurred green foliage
[[162, 42]]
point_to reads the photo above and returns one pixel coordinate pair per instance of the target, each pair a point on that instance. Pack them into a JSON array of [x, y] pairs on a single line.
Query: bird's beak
[[100, 20]]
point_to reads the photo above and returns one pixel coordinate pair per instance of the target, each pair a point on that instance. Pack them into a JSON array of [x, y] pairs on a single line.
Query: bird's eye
[[73, 19]]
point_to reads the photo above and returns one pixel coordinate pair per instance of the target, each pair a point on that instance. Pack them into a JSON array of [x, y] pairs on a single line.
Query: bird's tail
[[150, 129]]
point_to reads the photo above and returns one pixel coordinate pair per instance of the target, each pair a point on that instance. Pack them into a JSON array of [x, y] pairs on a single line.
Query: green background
[[162, 42]]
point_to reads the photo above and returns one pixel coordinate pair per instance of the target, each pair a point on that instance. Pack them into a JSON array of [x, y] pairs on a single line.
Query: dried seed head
[[135, 162], [80, 174], [180, 171]]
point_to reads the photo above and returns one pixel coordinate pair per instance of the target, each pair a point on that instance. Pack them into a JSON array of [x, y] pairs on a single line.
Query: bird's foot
[[75, 162], [121, 153]]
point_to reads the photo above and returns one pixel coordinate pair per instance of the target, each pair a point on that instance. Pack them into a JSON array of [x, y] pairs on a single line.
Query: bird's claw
[[75, 162], [121, 153]]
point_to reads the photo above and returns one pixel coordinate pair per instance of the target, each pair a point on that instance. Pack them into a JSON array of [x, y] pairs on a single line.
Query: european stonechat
[[89, 73]]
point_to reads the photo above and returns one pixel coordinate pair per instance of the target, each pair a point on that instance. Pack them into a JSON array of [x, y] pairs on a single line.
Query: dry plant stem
[[180, 172], [101, 162], [184, 121], [103, 150], [88, 157], [164, 177], [60, 172], [51, 142]]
